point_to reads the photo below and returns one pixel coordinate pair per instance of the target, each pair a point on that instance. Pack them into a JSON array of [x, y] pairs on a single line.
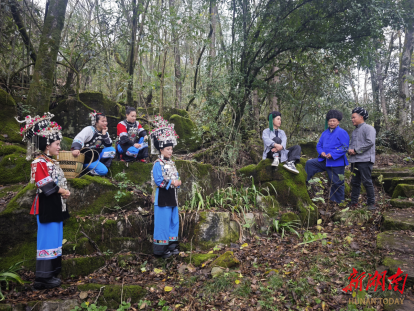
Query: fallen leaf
[[83, 295], [144, 305], [244, 245], [191, 268], [64, 241], [158, 271], [237, 281], [168, 288], [319, 221], [210, 252]]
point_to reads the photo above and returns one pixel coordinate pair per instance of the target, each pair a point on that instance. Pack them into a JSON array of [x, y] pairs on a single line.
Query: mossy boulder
[[111, 294], [66, 143], [73, 115], [14, 167], [226, 260], [400, 220], [289, 189], [402, 203], [198, 259], [403, 190], [213, 228], [309, 149], [188, 137], [395, 241], [9, 129], [391, 172], [289, 217], [167, 112], [81, 266]]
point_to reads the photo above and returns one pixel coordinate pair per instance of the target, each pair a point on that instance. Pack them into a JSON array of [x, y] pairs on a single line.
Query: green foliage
[[10, 275], [290, 226], [85, 306], [309, 237]]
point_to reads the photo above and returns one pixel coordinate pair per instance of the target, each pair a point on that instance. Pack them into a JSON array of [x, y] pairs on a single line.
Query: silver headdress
[[163, 135], [92, 115], [38, 129]]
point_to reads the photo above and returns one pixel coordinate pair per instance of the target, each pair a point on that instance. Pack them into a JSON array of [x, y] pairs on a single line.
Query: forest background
[[228, 63]]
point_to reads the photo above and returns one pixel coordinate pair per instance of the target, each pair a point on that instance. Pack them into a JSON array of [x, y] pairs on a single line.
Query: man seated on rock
[[274, 140], [332, 148]]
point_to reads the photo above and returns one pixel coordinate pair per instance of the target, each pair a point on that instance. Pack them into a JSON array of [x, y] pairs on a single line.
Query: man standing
[[332, 148], [362, 157], [274, 140]]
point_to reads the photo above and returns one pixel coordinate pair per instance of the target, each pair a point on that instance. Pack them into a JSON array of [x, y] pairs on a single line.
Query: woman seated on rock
[[332, 148], [49, 205], [274, 140], [131, 135], [95, 143]]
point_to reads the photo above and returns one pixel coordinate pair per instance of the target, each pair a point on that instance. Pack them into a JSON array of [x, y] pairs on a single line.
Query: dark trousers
[[293, 155], [337, 193], [362, 172]]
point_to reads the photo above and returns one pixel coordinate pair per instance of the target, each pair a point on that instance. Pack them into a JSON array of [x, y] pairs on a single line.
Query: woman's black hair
[[99, 115], [128, 110]]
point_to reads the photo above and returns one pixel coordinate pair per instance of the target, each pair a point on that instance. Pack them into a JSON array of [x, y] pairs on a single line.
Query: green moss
[[6, 307], [137, 172], [66, 143], [9, 126], [14, 168], [226, 260], [13, 204], [185, 129], [198, 259], [111, 294], [25, 251], [10, 149], [288, 217], [81, 266], [168, 112], [403, 190], [402, 203], [14, 188], [309, 149]]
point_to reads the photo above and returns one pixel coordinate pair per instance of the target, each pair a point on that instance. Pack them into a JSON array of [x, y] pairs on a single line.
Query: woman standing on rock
[[95, 142], [43, 139], [165, 181], [131, 136]]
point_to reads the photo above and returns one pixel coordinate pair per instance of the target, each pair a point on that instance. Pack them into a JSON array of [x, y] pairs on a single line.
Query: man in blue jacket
[[332, 148]]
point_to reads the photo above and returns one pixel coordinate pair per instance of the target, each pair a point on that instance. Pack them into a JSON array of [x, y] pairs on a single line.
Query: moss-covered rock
[[403, 190], [400, 203], [9, 129], [405, 263], [226, 260], [391, 172], [289, 217], [395, 241], [401, 220], [289, 189], [198, 259], [309, 149], [111, 294], [66, 143], [167, 112], [188, 138], [81, 266], [14, 167]]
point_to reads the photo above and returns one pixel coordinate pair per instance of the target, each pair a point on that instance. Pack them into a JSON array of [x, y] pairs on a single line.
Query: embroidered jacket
[[91, 138], [162, 174], [48, 177], [129, 133]]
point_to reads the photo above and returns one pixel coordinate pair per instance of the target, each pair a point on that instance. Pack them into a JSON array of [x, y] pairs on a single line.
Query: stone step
[[388, 172], [405, 263], [81, 266], [399, 220], [403, 190], [401, 203], [396, 241], [391, 183]]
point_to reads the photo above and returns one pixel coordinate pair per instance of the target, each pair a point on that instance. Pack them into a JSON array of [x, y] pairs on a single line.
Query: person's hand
[[104, 130], [328, 156], [178, 183], [75, 153], [66, 194], [273, 150], [137, 146], [278, 147], [323, 154], [351, 152], [145, 137]]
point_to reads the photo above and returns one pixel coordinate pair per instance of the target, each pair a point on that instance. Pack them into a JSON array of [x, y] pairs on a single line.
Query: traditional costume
[[271, 137], [48, 206], [334, 142], [95, 146], [130, 134], [166, 219]]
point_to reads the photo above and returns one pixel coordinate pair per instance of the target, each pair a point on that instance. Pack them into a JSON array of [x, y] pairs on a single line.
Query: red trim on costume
[[41, 172]]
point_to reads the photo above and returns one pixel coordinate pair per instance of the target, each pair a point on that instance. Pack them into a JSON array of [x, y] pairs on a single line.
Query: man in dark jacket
[[362, 157]]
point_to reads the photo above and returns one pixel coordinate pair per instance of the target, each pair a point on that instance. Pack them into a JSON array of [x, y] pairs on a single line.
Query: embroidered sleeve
[[158, 178], [43, 180], [84, 136], [107, 140], [123, 135]]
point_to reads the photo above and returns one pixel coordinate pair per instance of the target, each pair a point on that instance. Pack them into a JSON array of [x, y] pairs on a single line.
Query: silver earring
[[48, 152]]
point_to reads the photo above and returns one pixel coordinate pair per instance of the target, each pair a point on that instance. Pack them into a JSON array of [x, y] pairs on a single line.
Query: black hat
[[334, 114], [361, 111]]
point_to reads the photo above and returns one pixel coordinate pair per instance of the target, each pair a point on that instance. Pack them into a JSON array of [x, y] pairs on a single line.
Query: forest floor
[[276, 272]]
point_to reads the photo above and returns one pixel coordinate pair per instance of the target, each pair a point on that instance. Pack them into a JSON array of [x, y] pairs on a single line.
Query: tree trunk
[[256, 109], [403, 87], [131, 63], [375, 94], [381, 90], [42, 83], [273, 99], [177, 60], [213, 16]]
